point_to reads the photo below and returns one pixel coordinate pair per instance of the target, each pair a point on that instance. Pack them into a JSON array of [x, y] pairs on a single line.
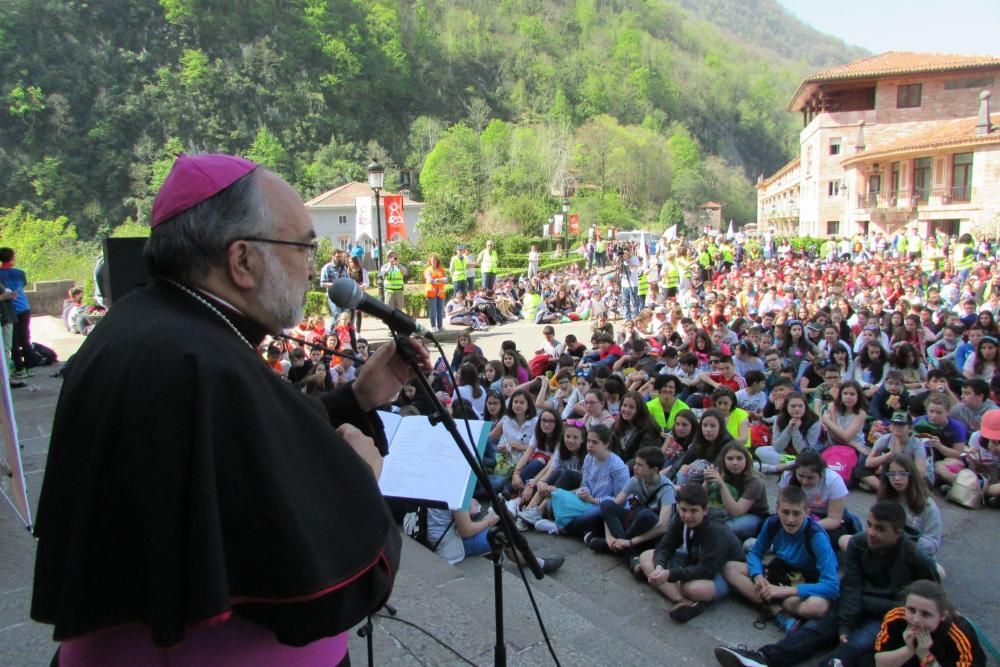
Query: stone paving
[[595, 612]]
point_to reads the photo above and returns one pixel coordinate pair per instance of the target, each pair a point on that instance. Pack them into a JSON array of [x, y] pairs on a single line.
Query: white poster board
[[12, 484]]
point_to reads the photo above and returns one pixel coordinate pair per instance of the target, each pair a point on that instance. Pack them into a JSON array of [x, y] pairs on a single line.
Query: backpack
[[841, 459], [771, 529], [41, 356]]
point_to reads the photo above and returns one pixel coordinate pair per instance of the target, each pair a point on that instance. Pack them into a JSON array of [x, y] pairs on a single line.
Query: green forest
[[643, 108]]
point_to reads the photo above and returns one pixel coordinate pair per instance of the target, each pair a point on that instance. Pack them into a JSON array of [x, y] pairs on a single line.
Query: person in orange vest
[[434, 289]]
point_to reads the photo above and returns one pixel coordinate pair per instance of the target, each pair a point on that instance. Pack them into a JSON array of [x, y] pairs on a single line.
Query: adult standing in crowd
[[394, 277], [434, 289], [226, 519], [487, 261], [332, 271], [15, 279]]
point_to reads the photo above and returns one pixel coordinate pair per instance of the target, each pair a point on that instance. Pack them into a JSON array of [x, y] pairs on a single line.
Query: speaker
[[126, 269]]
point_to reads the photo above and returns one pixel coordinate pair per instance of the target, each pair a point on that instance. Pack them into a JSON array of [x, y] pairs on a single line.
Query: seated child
[[801, 581], [686, 566]]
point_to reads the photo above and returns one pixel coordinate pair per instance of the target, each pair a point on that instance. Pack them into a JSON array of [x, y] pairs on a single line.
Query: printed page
[[424, 463]]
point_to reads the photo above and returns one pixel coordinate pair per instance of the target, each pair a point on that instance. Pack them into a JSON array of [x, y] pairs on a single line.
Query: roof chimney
[[859, 144], [983, 121]]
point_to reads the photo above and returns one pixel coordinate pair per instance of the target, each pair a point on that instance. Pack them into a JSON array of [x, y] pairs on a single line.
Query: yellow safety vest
[[393, 279], [458, 268]]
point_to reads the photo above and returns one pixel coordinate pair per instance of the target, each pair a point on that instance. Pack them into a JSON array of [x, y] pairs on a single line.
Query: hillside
[[776, 34], [643, 108]]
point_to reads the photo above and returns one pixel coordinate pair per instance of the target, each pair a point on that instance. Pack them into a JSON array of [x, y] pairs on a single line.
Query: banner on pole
[[545, 231], [395, 222], [363, 218], [557, 220], [574, 223]]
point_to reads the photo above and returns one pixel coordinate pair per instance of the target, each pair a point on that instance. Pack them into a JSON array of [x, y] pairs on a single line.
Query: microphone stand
[[506, 534]]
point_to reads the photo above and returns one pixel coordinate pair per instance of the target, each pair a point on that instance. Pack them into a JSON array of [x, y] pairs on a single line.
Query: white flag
[[729, 234], [363, 218], [545, 231], [643, 249], [671, 233]]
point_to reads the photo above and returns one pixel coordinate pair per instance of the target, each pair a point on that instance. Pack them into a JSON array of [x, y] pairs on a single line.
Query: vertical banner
[[545, 231], [557, 220], [395, 223], [363, 218], [574, 223]]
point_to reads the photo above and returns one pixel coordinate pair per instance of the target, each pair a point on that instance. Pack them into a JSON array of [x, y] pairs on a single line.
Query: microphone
[[347, 295]]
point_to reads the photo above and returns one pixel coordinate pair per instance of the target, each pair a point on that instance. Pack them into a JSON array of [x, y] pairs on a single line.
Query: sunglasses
[[578, 423]]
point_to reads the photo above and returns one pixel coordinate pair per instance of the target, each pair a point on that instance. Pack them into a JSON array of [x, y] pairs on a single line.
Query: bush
[[316, 304]]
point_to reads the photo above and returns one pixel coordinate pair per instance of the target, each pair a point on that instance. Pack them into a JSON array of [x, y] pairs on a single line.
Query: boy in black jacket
[[879, 565], [686, 566]]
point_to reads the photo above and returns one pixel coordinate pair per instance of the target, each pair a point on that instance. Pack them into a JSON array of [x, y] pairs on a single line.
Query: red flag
[[574, 223], [395, 223]]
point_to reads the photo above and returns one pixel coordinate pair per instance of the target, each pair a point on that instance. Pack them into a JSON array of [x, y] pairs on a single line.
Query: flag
[[363, 218], [729, 234], [574, 223], [671, 233], [395, 222], [545, 231], [558, 220], [642, 251]]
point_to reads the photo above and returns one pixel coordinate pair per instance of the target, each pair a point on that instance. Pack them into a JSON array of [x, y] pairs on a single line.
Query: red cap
[[194, 179], [990, 427]]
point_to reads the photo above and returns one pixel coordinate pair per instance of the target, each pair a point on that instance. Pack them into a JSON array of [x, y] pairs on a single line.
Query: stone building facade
[[895, 141]]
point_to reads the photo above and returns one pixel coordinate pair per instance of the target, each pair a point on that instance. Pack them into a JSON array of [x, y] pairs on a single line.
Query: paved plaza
[[595, 612]]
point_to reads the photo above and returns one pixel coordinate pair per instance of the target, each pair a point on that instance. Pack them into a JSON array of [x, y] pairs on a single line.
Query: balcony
[[958, 194], [902, 201], [783, 213]]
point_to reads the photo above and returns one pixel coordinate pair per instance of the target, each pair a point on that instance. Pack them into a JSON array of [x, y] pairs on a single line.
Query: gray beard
[[281, 300]]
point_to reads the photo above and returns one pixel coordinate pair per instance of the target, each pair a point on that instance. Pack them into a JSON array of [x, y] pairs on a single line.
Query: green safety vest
[[489, 261], [393, 279], [458, 269], [671, 275], [682, 267], [963, 260], [727, 254], [642, 289], [600, 246], [656, 412], [928, 263], [916, 244], [705, 259]]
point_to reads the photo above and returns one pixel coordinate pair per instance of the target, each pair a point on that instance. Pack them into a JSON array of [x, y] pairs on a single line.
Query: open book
[[424, 463]]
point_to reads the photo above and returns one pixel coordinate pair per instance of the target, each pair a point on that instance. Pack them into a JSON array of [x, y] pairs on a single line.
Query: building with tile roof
[[892, 142], [335, 214]]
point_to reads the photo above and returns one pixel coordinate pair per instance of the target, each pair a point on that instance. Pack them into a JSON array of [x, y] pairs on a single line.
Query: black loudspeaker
[[125, 267]]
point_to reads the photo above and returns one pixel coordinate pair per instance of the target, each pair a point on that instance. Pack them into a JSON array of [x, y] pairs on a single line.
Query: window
[[832, 227], [922, 179], [908, 96], [835, 146], [344, 242], [961, 177], [809, 160], [894, 182], [833, 189], [342, 219]]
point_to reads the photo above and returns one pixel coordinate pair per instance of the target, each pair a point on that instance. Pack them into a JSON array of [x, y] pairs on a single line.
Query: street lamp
[[565, 211], [376, 176]]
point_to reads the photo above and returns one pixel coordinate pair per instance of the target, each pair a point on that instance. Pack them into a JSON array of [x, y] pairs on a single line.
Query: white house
[[334, 214]]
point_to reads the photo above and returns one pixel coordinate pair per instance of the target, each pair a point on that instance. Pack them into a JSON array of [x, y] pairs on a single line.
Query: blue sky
[[955, 26]]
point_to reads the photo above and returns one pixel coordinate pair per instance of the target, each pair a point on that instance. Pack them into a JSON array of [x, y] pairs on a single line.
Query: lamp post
[[376, 176], [565, 211]]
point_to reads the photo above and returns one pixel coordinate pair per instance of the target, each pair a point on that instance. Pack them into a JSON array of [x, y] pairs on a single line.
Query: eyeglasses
[[310, 247], [550, 420]]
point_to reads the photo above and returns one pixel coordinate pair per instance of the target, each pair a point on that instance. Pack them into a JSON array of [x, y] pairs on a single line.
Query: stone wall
[[47, 297]]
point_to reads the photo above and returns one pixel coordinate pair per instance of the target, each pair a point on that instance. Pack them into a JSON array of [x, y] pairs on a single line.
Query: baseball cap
[[901, 417], [990, 425], [194, 179]]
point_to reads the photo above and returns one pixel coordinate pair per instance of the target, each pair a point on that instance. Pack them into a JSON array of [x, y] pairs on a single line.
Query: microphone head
[[345, 293]]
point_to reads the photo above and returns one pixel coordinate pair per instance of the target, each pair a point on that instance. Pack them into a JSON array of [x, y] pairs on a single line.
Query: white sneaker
[[521, 524], [768, 467], [547, 526], [513, 505], [530, 515]]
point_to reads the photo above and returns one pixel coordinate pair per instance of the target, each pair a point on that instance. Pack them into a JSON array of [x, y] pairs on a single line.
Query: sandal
[[685, 613]]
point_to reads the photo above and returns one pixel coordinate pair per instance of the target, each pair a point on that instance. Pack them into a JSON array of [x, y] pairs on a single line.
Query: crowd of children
[[652, 443]]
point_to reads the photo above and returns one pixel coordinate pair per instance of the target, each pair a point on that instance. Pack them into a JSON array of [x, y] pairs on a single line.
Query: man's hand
[[385, 372], [658, 576], [364, 446]]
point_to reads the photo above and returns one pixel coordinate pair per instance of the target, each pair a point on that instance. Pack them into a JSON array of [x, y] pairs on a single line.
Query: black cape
[[185, 482]]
